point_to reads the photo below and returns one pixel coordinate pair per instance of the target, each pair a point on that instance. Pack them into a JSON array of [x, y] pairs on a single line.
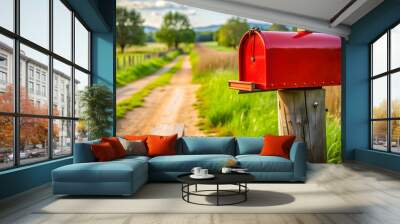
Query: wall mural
[[174, 63]]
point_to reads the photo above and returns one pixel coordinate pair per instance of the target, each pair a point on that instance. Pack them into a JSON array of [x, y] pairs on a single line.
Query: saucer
[[208, 176]]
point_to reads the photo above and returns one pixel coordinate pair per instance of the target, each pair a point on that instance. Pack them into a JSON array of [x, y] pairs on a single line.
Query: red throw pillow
[[116, 145], [135, 137], [277, 145], [103, 152], [161, 145]]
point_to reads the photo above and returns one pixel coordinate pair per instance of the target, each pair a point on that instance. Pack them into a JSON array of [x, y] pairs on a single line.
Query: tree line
[[176, 29]]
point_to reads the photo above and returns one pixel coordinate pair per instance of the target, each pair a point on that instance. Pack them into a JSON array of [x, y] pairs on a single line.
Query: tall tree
[[175, 29], [231, 32], [277, 27], [130, 30]]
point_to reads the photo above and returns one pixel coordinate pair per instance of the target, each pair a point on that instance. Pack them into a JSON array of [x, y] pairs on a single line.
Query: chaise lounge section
[[125, 176]]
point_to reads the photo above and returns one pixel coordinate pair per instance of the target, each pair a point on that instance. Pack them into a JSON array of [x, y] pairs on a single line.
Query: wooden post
[[302, 113]]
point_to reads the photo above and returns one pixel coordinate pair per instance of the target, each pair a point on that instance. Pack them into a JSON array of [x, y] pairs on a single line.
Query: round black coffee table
[[238, 179]]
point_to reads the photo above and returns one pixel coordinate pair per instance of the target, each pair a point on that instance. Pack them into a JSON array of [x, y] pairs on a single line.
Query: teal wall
[[99, 15], [356, 126]]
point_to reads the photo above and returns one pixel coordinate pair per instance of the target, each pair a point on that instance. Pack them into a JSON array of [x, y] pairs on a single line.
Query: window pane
[[62, 138], [34, 97], [81, 131], [379, 135], [35, 21], [6, 74], [62, 29], [33, 140], [6, 142], [395, 138], [7, 14], [62, 89], [379, 55], [81, 82], [395, 94], [395, 47], [81, 45], [379, 97]]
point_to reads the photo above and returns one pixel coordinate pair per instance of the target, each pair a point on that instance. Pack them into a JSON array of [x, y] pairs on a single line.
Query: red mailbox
[[285, 60]]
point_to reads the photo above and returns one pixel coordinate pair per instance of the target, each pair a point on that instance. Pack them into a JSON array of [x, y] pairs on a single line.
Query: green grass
[[224, 112], [137, 99], [333, 140], [125, 76], [214, 45]]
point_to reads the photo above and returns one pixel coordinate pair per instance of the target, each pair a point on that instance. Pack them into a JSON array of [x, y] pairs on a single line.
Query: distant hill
[[150, 29], [213, 28]]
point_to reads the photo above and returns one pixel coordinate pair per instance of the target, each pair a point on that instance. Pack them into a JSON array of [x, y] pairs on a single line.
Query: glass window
[[7, 14], [35, 21], [35, 143], [33, 140], [81, 45], [385, 125], [81, 131], [395, 136], [395, 94], [6, 142], [62, 137], [379, 133], [395, 47], [379, 56], [81, 82], [62, 29], [40, 62], [6, 74], [379, 98], [62, 71]]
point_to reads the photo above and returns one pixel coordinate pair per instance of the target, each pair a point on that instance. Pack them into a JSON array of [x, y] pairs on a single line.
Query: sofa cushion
[[249, 145], [116, 145], [185, 163], [277, 145], [112, 171], [103, 152], [161, 145], [257, 163], [207, 145]]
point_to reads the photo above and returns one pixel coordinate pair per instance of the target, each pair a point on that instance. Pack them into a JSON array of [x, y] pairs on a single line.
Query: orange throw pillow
[[277, 146], [135, 137], [161, 145], [103, 152], [116, 145]]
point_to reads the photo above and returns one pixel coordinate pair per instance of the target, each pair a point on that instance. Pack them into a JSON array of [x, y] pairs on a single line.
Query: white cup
[[196, 171], [226, 170], [203, 172]]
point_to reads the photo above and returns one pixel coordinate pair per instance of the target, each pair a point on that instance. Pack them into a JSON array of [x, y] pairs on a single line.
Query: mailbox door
[[252, 60]]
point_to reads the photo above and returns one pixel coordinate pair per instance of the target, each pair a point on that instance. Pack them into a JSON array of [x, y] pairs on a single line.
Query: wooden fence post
[[302, 113]]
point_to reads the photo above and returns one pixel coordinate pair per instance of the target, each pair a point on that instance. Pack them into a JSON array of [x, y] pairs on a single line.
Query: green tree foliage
[[204, 36], [130, 30], [175, 29], [231, 32], [97, 105], [277, 27]]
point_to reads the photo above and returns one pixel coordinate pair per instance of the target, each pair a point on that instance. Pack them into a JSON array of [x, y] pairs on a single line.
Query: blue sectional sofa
[[125, 176]]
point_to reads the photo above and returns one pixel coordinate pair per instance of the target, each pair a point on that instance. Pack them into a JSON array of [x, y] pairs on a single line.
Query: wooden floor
[[378, 189]]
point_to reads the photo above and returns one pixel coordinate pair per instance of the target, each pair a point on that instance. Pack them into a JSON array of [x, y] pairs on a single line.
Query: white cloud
[[150, 5]]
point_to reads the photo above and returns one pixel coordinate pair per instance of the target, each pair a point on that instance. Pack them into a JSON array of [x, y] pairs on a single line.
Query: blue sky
[[153, 11]]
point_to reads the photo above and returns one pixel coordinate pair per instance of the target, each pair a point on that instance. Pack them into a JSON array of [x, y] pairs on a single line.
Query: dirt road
[[128, 90], [168, 105]]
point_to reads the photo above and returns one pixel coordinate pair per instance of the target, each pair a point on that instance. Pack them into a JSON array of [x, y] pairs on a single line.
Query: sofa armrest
[[298, 155], [83, 152]]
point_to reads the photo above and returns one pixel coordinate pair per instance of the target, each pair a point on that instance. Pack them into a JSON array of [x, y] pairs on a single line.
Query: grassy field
[[130, 74], [224, 112], [214, 45], [148, 48], [136, 100]]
